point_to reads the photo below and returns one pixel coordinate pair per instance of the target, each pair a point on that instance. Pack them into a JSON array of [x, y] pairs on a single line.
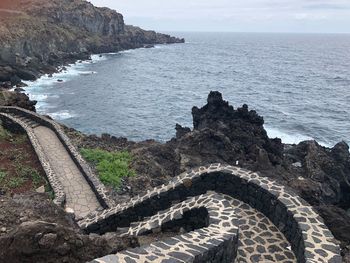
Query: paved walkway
[[259, 239], [79, 195]]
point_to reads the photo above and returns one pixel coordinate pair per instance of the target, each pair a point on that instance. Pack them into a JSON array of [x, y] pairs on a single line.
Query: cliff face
[[38, 35]]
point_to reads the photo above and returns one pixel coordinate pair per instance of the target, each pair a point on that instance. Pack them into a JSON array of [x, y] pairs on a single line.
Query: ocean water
[[299, 83]]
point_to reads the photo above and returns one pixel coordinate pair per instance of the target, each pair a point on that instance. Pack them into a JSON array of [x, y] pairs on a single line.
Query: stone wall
[[95, 184], [17, 125], [217, 242], [310, 239]]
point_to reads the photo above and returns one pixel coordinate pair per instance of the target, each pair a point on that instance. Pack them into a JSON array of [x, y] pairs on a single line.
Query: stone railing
[[310, 239], [216, 242], [94, 182], [15, 124]]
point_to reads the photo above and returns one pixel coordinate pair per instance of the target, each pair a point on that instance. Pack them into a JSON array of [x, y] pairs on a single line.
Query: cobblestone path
[[79, 195], [259, 239]]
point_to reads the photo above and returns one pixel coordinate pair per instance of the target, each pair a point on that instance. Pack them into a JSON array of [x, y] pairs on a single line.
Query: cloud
[[240, 15]]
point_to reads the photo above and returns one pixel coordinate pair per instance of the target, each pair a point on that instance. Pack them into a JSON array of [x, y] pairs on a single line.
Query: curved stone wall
[[55, 184], [96, 185], [215, 243], [310, 239]]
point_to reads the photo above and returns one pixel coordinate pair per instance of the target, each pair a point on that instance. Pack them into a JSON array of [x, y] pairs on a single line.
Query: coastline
[[72, 70]]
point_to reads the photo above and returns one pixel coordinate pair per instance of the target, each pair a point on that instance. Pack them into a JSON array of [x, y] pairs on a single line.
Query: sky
[[316, 16]]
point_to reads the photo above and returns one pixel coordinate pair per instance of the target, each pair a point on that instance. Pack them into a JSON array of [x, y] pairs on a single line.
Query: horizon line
[[251, 32]]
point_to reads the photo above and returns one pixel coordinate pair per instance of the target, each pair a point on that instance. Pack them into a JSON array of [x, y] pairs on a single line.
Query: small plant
[[2, 175], [36, 179], [15, 182], [4, 134], [26, 173], [111, 166], [20, 139]]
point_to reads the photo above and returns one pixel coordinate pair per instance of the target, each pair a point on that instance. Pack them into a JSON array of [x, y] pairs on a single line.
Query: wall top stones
[[304, 228], [215, 243], [310, 239]]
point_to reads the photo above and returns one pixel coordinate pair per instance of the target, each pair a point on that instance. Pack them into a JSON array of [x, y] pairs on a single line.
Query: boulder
[[9, 98], [39, 231]]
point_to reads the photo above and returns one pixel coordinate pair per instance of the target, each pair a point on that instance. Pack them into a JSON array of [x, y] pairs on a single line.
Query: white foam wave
[[62, 115], [87, 72], [289, 138], [38, 97], [98, 57], [126, 51]]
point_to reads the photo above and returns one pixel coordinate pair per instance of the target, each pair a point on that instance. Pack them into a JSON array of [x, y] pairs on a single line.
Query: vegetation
[[4, 134], [24, 174], [111, 166], [18, 173], [14, 138]]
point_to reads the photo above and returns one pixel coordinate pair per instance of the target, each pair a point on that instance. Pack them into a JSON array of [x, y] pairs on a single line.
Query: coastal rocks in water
[[39, 231], [9, 98], [243, 128], [42, 35], [237, 137], [19, 90], [148, 46]]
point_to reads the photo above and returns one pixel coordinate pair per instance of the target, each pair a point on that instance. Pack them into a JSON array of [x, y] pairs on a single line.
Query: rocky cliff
[[38, 35]]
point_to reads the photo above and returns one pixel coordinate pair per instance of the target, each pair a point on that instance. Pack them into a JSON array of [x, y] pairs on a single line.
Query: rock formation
[[236, 136], [33, 229], [9, 98], [38, 35]]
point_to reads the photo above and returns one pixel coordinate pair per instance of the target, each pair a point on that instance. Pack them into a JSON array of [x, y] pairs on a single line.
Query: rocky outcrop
[[35, 230], [236, 136], [324, 173], [9, 98], [38, 35]]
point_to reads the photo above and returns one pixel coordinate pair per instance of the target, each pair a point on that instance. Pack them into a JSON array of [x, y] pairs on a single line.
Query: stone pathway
[[259, 239], [79, 195]]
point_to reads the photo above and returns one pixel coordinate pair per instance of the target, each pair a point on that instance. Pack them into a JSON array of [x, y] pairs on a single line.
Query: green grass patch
[[15, 182], [4, 134], [11, 137], [2, 175], [111, 166], [26, 173]]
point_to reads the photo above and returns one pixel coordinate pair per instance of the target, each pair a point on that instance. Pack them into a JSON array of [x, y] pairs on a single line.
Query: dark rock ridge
[[236, 136], [36, 36], [8, 98], [33, 229]]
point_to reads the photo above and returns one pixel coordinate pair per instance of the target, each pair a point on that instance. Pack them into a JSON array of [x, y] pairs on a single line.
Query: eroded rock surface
[[236, 136], [9, 98], [35, 230], [36, 36]]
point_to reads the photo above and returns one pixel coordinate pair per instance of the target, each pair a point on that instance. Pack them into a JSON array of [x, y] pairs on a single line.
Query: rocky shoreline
[[37, 36], [222, 134], [236, 136]]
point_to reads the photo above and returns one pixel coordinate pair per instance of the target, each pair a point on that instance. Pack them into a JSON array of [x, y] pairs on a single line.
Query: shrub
[[111, 166]]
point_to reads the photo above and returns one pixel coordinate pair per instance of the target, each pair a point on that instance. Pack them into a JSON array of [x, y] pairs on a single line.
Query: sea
[[299, 83]]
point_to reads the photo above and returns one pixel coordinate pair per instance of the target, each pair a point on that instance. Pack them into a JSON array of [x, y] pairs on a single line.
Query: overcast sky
[[235, 15]]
